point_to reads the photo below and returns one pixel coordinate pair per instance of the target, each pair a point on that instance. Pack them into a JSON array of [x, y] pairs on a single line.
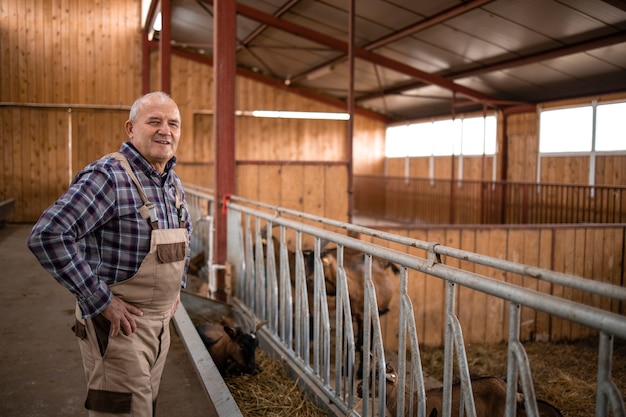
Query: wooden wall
[[299, 164], [58, 56], [594, 252], [70, 71]]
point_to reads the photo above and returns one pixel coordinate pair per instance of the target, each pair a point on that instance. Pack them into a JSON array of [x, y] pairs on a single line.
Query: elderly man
[[118, 239]]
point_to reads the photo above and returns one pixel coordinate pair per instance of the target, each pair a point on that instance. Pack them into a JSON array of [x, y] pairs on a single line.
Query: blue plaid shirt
[[93, 235]]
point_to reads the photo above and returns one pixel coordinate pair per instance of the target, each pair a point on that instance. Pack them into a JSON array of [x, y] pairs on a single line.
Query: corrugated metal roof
[[425, 58]]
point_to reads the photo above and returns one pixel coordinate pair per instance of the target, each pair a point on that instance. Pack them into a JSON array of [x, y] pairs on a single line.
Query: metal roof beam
[[361, 53], [620, 4], [402, 33], [512, 63], [256, 32]]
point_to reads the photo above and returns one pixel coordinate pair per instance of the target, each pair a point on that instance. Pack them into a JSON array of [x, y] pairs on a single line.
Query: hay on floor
[[271, 392], [564, 374]]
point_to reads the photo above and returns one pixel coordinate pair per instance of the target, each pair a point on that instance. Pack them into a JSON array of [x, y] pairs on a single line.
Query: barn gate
[[309, 331]]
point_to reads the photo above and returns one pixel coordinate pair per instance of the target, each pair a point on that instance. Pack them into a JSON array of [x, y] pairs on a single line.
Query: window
[[611, 127], [571, 129], [470, 136]]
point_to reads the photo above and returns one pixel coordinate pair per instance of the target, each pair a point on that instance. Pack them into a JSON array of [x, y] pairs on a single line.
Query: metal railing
[[322, 352], [201, 207], [438, 201]]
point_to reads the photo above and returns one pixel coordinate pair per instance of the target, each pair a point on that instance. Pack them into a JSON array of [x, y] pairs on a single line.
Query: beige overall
[[124, 372]]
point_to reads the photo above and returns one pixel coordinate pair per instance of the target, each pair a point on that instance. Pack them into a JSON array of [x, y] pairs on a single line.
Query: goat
[[544, 408], [489, 396], [196, 263], [232, 349], [354, 267]]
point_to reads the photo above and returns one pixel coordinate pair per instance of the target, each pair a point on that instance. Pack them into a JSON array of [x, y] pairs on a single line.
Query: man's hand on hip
[[121, 315]]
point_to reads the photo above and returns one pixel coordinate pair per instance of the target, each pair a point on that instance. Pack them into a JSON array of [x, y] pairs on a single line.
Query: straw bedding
[[271, 392], [564, 375]]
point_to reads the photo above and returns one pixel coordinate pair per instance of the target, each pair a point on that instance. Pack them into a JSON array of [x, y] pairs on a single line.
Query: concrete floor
[[40, 365]]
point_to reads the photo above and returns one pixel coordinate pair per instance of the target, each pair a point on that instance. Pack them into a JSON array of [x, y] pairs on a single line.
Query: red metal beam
[[146, 47], [145, 64], [362, 53], [427, 23], [620, 4], [402, 33], [152, 11], [256, 32], [600, 42], [165, 46], [224, 70], [350, 124]]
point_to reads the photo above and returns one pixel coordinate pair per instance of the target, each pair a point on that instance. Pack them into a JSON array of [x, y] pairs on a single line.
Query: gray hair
[[134, 109]]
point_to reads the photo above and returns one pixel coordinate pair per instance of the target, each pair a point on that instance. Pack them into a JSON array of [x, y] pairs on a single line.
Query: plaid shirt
[[93, 235]]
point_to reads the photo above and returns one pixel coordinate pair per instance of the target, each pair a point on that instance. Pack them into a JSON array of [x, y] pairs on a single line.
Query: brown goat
[[232, 349], [354, 267], [544, 408], [489, 396]]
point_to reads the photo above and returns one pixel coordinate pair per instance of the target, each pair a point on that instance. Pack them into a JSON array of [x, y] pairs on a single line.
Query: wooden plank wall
[[56, 58], [72, 69], [70, 51], [593, 252], [298, 164]]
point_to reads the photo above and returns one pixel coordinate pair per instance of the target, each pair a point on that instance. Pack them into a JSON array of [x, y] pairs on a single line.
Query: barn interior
[[70, 70]]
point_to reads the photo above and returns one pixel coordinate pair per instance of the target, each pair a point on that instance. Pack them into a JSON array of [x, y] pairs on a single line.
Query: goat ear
[[261, 324], [230, 331]]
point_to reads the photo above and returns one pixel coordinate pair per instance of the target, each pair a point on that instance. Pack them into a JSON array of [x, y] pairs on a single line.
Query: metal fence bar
[[344, 337], [286, 300], [252, 275], [518, 365], [608, 395], [593, 287]]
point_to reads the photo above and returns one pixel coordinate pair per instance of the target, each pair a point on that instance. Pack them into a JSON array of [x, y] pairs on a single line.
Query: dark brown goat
[[232, 349], [489, 397]]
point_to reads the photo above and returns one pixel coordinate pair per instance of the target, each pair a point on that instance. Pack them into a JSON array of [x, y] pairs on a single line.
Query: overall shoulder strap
[[180, 206], [147, 211]]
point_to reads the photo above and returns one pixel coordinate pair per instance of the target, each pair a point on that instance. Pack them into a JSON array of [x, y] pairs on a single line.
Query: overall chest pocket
[[170, 252]]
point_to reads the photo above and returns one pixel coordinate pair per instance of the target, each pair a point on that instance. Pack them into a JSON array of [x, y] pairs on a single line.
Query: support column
[[165, 46], [350, 124], [224, 69], [145, 64]]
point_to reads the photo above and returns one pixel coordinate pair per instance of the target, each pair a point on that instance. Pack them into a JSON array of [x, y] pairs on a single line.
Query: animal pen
[[310, 332]]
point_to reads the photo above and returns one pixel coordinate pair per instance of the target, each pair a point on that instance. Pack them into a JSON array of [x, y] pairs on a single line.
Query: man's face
[[156, 131]]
